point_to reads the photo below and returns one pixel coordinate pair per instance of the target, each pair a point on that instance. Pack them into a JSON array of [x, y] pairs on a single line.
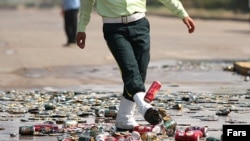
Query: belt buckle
[[124, 19]]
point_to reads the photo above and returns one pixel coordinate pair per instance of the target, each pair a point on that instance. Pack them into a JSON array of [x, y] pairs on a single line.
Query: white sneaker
[[150, 114], [125, 116], [141, 103]]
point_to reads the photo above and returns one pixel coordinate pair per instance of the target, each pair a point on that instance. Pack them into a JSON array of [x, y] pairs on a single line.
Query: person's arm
[[84, 18], [85, 11], [176, 7]]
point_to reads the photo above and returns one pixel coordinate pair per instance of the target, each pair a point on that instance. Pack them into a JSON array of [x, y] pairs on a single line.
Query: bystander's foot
[[69, 45]]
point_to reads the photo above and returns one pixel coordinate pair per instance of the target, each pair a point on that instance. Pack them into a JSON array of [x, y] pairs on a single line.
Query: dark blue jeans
[[130, 46]]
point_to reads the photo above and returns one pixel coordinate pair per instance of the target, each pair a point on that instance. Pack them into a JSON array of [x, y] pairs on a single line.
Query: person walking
[[70, 10], [126, 30]]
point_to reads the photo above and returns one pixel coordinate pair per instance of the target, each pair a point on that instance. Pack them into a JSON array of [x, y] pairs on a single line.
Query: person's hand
[[189, 23], [80, 39]]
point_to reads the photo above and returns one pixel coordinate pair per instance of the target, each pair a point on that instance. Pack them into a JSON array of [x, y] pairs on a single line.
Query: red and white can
[[152, 91], [194, 135], [142, 129], [203, 129], [46, 128]]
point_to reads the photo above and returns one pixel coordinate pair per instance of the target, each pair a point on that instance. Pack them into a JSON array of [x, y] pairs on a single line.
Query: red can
[[143, 129], [46, 128], [151, 93], [194, 135], [204, 130]]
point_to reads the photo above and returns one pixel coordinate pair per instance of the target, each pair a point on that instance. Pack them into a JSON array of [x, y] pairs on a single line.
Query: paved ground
[[32, 56], [32, 40]]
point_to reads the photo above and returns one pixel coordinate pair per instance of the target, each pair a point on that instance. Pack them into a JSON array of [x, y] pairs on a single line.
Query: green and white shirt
[[118, 8]]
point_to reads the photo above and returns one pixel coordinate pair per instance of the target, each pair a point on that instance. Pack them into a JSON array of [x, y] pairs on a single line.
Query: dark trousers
[[70, 24], [130, 46]]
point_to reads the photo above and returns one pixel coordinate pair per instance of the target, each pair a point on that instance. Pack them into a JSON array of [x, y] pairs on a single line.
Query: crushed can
[[177, 106], [193, 135], [136, 136], [85, 138], [142, 129], [110, 113], [26, 130], [70, 124], [152, 91], [169, 125], [99, 120], [113, 107], [204, 130], [49, 106], [120, 138], [106, 113], [110, 138], [100, 112], [149, 136], [68, 139], [101, 137], [46, 128], [109, 120], [94, 131], [223, 112]]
